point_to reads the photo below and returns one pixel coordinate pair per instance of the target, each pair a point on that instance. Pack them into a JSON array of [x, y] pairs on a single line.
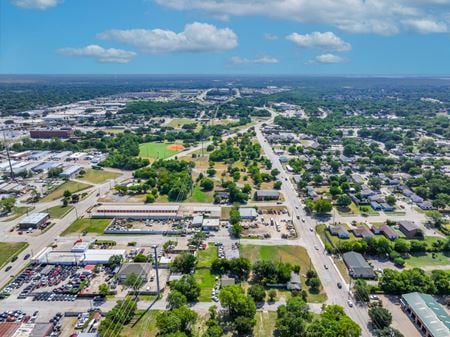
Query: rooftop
[[34, 218]]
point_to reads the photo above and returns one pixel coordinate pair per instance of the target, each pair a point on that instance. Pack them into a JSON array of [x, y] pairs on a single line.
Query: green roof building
[[430, 318]]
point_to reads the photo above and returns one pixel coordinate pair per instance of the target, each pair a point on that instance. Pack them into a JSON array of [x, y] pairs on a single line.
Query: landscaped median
[[71, 186]]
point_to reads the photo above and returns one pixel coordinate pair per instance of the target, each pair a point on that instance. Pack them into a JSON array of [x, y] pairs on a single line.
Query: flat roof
[[137, 208], [267, 193], [247, 212], [430, 312], [34, 218]]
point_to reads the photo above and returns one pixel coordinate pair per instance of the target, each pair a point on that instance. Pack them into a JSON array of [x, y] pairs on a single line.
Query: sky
[[288, 37]]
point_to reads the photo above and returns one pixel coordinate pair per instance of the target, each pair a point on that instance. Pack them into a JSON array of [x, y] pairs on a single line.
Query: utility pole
[[156, 269]]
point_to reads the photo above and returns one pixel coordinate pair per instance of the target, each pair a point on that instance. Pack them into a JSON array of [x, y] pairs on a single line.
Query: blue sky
[[298, 37]]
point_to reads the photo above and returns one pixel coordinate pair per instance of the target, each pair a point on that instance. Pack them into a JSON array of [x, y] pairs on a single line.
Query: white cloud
[[326, 41], [196, 37], [103, 55], [384, 17], [36, 4], [270, 37], [327, 59], [264, 59], [425, 26]]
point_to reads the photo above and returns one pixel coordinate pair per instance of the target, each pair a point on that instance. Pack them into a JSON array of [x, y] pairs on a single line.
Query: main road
[[326, 269]]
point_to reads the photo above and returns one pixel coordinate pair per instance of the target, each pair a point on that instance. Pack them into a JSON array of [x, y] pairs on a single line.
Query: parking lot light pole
[[156, 269]]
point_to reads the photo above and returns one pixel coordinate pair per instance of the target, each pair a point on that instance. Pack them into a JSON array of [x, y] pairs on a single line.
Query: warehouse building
[[141, 269], [248, 213], [34, 221], [70, 172], [161, 212], [63, 133], [430, 318], [211, 224], [358, 266], [87, 257]]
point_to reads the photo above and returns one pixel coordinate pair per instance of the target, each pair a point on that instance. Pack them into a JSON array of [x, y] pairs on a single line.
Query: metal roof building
[[137, 211], [33, 220], [429, 316], [247, 213]]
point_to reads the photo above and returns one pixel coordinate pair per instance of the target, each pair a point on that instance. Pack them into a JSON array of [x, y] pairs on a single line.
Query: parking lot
[[270, 223], [157, 226]]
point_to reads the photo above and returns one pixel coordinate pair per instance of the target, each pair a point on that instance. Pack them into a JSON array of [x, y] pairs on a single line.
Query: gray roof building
[[267, 195], [428, 315], [247, 213], [358, 266], [141, 269]]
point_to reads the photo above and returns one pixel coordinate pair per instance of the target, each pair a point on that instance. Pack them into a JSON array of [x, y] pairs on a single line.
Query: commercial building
[[410, 229], [211, 224], [358, 266], [34, 221], [87, 257], [430, 318], [70, 171], [63, 133], [162, 212], [262, 195], [140, 269], [248, 213]]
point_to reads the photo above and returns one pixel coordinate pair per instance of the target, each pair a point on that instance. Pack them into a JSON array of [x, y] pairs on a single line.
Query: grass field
[[427, 260], [99, 176], [58, 212], [72, 186], [265, 323], [198, 195], [10, 249], [206, 257], [295, 255], [145, 327], [154, 151], [179, 122], [96, 226]]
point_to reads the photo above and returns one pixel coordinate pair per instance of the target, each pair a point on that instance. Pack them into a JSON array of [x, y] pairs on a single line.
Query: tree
[[176, 299], [272, 295], [344, 200], [333, 322], [389, 332], [140, 258], [257, 292], [402, 245], [211, 172], [233, 298], [207, 184], [441, 280], [103, 289], [134, 281], [150, 198], [361, 290], [292, 318], [235, 216], [375, 183], [244, 325], [115, 260], [236, 230], [175, 322], [275, 172], [8, 203], [322, 206], [184, 263], [436, 218], [277, 185], [390, 199], [380, 317], [187, 286], [406, 281], [314, 284], [67, 194]]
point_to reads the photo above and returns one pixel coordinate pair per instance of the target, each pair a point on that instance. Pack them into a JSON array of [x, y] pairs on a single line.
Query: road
[[37, 243], [329, 276]]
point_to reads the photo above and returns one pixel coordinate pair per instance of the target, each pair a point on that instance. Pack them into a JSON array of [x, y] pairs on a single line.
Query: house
[[295, 283], [429, 317], [311, 192], [358, 266], [263, 195], [362, 232], [140, 269], [375, 205], [386, 207], [416, 199], [340, 231], [410, 229], [426, 205], [386, 231]]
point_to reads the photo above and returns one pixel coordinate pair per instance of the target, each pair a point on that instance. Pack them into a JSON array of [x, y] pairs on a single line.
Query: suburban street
[[330, 276]]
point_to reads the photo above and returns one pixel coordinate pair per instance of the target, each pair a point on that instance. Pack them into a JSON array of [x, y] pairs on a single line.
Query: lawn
[[10, 249], [99, 176], [265, 323], [206, 257], [145, 327], [58, 212], [427, 260], [202, 274], [198, 195], [72, 186], [154, 151], [295, 255], [88, 225], [206, 281], [340, 264], [179, 122]]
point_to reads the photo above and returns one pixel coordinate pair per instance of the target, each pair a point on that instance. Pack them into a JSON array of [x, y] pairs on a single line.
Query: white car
[[310, 228], [350, 303], [303, 219]]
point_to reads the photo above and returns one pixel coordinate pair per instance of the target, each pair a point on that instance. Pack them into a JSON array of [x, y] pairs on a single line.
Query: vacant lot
[[295, 255], [154, 151], [203, 275], [58, 212], [88, 225], [265, 323], [71, 186], [10, 249], [99, 176], [206, 257], [145, 327], [198, 195], [428, 260]]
